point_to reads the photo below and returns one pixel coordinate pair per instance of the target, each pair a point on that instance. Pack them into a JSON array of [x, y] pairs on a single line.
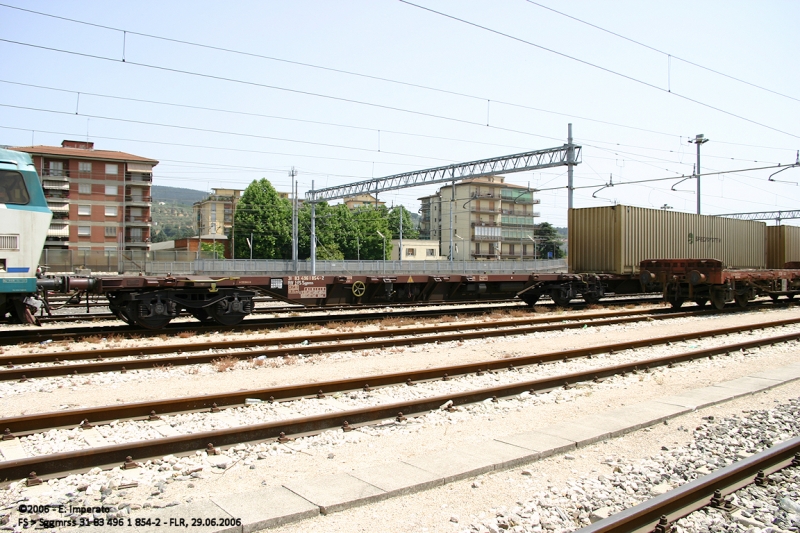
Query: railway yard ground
[[543, 458]]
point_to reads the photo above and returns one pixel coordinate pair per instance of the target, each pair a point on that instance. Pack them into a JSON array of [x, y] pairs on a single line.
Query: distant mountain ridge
[[177, 195]]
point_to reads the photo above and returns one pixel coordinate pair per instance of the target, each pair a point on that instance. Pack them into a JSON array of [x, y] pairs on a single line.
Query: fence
[[283, 268], [162, 262]]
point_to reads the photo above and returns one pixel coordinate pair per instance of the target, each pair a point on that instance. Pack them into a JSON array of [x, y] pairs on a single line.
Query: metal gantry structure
[[777, 216], [567, 155]]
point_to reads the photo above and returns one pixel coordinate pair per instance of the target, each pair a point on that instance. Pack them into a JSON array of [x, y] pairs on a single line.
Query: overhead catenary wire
[[599, 67], [669, 55]]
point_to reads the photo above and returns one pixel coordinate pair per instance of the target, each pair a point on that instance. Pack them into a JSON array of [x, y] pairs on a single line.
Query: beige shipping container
[[783, 245], [616, 239]]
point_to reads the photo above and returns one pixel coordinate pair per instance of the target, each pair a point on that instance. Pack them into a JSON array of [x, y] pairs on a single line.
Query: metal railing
[[228, 267], [162, 262]]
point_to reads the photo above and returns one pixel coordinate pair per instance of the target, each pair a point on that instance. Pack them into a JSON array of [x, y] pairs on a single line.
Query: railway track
[[124, 359], [316, 315], [36, 335], [660, 513], [114, 455]]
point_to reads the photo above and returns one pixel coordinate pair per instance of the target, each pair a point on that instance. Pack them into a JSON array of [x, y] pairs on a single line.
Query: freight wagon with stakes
[[610, 251]]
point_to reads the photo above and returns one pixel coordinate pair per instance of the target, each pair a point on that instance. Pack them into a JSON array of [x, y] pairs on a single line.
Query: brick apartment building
[[100, 199]]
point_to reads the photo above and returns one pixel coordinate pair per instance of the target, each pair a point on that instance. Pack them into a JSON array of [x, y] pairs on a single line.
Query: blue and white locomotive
[[24, 221]]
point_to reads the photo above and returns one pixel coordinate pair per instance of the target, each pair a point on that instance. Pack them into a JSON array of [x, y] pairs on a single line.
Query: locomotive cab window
[[12, 188]]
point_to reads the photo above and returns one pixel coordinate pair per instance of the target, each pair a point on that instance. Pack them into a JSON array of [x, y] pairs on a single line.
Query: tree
[[368, 221], [548, 240], [212, 247], [409, 229], [332, 223], [262, 212]]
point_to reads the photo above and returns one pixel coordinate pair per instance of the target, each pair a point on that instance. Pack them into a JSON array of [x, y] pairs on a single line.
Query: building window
[[85, 210], [112, 169], [111, 248], [111, 190], [430, 252], [111, 231], [111, 210], [85, 188], [56, 168], [511, 249], [478, 248], [84, 231], [411, 252], [84, 166]]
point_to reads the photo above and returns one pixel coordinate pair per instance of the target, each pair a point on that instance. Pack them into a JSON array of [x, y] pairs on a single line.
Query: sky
[[224, 93]]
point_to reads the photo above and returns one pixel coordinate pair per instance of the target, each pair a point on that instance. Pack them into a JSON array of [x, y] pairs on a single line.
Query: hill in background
[[172, 212], [176, 195]]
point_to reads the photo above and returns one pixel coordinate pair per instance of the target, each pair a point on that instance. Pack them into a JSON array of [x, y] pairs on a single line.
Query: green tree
[[409, 229], [548, 240], [211, 247], [332, 223], [368, 221], [262, 212]]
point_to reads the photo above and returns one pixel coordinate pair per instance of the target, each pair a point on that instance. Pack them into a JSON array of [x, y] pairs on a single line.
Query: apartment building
[[214, 215], [100, 198], [490, 219], [360, 200]]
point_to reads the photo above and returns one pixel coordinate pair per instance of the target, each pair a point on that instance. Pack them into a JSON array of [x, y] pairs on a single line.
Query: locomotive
[[24, 221]]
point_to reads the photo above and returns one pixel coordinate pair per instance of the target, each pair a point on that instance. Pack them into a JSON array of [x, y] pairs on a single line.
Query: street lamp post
[[459, 237], [384, 250], [534, 251]]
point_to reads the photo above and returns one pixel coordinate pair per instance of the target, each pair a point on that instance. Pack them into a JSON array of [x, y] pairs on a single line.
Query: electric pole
[[698, 140], [293, 174]]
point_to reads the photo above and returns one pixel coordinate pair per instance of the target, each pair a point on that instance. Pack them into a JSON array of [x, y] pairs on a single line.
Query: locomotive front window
[[12, 188]]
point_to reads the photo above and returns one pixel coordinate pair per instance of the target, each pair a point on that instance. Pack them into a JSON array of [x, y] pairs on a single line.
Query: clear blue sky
[[254, 117]]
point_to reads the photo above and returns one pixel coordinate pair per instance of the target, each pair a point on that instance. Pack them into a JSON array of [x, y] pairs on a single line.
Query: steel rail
[[17, 336], [377, 339], [114, 455], [405, 338], [38, 335], [684, 500], [98, 415], [317, 338]]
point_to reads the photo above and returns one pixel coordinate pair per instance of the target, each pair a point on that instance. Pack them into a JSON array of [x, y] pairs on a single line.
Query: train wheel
[[774, 297], [558, 297], [121, 313], [217, 314], [530, 298], [201, 314], [718, 301], [701, 302], [591, 298], [676, 303], [741, 300], [147, 322]]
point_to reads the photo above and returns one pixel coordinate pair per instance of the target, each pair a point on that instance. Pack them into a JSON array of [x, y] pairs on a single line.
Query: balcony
[[138, 241], [56, 196], [138, 177], [55, 175], [483, 209], [523, 198], [138, 220], [483, 223], [58, 230], [58, 208], [55, 185], [143, 200], [485, 238]]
